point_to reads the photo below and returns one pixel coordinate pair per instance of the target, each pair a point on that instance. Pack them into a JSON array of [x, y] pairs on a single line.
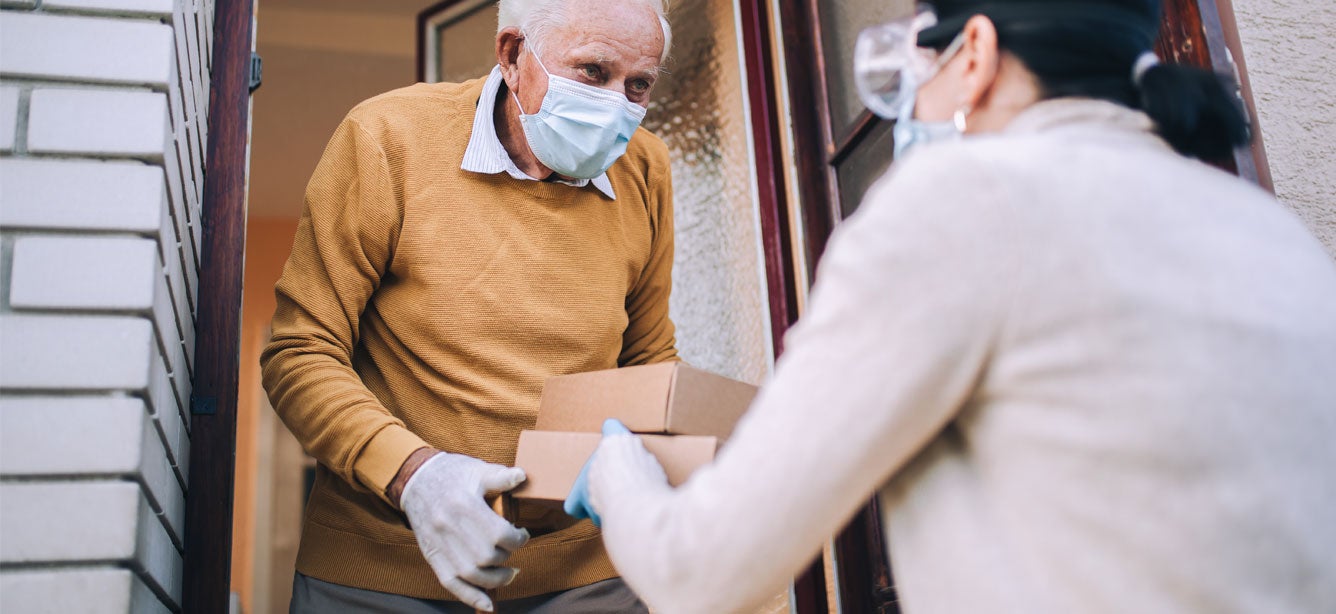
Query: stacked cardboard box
[[681, 413]]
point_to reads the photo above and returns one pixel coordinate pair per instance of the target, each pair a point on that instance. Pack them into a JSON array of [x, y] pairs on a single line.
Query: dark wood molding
[[809, 590], [772, 198], [421, 34], [863, 571], [1228, 24], [865, 578], [208, 543], [1192, 32], [808, 105], [862, 126]]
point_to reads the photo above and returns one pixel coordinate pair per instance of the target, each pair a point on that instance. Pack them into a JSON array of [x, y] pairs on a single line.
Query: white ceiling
[[321, 57]]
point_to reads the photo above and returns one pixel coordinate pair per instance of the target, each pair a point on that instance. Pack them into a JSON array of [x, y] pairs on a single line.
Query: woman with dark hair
[[1082, 371]]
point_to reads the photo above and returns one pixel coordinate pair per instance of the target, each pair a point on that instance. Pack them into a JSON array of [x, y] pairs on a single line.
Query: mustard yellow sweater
[[424, 305]]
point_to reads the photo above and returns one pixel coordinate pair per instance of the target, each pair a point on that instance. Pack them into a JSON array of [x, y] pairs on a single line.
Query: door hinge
[[256, 72]]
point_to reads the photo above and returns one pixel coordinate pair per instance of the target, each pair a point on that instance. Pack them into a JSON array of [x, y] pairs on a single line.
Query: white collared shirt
[[486, 154]]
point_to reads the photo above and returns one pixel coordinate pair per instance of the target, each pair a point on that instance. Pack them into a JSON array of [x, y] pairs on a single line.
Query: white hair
[[538, 18]]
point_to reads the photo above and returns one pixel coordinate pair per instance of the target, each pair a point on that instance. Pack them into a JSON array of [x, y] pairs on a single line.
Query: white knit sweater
[[1084, 374]]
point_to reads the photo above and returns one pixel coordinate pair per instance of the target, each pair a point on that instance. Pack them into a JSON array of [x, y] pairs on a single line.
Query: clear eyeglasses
[[889, 66]]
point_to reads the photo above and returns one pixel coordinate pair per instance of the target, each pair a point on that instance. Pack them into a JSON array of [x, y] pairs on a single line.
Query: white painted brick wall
[[9, 116], [98, 122], [106, 436], [103, 129], [87, 521], [171, 414], [114, 273], [99, 273], [40, 45], [156, 8], [48, 352], [82, 195], [86, 590]]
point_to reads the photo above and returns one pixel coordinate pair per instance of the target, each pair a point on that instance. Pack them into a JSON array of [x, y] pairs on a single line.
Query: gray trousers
[[312, 596]]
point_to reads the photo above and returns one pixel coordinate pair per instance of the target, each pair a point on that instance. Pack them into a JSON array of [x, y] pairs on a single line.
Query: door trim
[[208, 544]]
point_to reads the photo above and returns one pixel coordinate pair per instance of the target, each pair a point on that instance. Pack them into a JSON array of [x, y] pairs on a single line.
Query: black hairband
[[1002, 12]]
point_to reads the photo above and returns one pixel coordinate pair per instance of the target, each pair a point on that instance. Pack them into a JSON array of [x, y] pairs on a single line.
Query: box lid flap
[[638, 396], [703, 403]]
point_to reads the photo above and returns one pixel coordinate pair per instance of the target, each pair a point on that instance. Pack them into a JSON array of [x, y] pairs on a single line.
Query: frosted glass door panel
[[719, 299]]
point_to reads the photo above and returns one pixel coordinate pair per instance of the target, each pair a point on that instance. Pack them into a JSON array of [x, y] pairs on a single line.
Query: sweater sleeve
[[650, 336], [910, 296], [343, 247]]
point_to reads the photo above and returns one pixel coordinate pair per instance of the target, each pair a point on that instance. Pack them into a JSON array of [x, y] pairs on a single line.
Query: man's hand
[[463, 540]]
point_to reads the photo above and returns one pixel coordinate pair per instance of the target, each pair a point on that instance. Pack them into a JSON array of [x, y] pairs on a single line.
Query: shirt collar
[[486, 154]]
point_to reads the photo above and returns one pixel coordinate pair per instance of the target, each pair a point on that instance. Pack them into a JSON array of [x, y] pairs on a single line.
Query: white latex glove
[[464, 541]]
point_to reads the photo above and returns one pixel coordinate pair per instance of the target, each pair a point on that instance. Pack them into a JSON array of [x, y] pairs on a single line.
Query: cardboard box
[[552, 460], [669, 398]]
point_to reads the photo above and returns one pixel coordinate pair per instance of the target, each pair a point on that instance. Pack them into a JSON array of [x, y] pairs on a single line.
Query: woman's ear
[[981, 60], [508, 42]]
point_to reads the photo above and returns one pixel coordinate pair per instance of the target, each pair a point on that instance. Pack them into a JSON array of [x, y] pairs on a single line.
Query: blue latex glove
[[577, 503]]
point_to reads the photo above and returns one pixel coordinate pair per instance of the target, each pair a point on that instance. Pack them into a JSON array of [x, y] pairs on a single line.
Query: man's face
[[612, 46]]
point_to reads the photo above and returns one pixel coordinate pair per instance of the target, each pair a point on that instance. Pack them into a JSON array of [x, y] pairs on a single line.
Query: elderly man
[[461, 243]]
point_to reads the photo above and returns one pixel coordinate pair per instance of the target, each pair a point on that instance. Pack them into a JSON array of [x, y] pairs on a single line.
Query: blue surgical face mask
[[580, 130], [910, 132]]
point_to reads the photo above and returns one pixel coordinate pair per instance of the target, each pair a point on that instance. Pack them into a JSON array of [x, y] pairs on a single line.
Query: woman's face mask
[[889, 69], [580, 130]]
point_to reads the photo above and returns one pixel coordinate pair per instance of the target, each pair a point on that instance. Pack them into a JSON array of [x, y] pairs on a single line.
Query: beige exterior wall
[[1289, 53], [102, 122]]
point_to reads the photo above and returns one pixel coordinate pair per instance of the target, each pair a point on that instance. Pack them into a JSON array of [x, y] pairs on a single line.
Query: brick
[[88, 590], [82, 195], [176, 281], [68, 521], [9, 116], [189, 66], [164, 318], [46, 46], [176, 195], [98, 273], [44, 352], [180, 376], [176, 324], [206, 38], [98, 122], [164, 491], [91, 436], [87, 521], [70, 435], [109, 273], [192, 277], [157, 8], [168, 419]]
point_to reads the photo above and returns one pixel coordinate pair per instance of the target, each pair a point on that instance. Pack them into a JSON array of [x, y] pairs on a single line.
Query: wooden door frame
[[1203, 33], [767, 123], [424, 20], [213, 427]]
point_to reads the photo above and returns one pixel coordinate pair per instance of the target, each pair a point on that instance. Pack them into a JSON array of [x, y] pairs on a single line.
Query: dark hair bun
[[1195, 110]]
